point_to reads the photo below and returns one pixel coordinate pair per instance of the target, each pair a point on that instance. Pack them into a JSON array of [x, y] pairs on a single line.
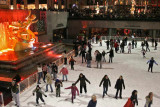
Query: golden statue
[[24, 37]]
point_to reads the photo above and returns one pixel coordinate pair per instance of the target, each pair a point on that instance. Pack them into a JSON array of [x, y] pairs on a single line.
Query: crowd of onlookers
[[117, 13]]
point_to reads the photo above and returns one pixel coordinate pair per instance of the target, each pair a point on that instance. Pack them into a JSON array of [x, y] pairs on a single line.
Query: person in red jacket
[[116, 46], [73, 91], [64, 71], [72, 61]]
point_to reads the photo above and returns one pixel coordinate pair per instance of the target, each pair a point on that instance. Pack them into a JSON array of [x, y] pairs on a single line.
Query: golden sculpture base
[[21, 46]]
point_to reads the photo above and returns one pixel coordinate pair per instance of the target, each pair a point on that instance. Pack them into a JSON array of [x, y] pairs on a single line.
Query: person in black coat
[[107, 43], [118, 86], [83, 52], [39, 94], [72, 61], [99, 59], [134, 97], [17, 78], [82, 80], [147, 46], [111, 55], [105, 82], [93, 101], [54, 71], [156, 44]]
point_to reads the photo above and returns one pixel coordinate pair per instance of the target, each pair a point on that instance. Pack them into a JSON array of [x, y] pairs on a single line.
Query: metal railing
[[129, 38], [26, 83]]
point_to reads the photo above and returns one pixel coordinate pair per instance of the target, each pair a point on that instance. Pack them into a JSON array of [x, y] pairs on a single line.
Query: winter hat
[[64, 66], [57, 80]]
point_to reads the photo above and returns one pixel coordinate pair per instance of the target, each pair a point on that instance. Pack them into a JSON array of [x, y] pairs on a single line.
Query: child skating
[[58, 85], [74, 89]]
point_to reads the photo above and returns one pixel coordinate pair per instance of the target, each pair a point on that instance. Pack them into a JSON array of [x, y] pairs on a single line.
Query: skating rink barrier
[[26, 83], [30, 80], [129, 38], [1, 100]]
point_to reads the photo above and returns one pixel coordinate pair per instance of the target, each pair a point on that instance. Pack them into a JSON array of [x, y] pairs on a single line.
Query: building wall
[[75, 26], [55, 20]]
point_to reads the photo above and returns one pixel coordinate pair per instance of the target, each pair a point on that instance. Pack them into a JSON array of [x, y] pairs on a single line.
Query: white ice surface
[[132, 67]]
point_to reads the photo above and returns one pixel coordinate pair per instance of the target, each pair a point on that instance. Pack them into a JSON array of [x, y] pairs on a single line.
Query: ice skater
[[88, 58], [142, 44], [118, 86], [147, 46], [54, 71], [107, 44], [74, 89], [151, 62], [129, 47], [103, 56], [99, 59], [65, 57], [72, 61], [144, 53], [149, 100], [156, 44], [49, 82], [64, 71], [58, 85], [93, 101], [39, 68], [15, 93], [134, 97], [83, 51], [132, 100], [111, 55], [82, 80], [106, 82], [39, 94]]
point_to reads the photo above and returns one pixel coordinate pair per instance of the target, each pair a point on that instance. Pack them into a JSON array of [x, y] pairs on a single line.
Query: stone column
[[49, 3], [110, 32], [52, 6], [67, 3], [14, 4], [59, 4], [36, 4], [25, 4]]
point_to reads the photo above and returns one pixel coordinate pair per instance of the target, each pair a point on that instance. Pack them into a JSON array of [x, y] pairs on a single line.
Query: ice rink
[[132, 67]]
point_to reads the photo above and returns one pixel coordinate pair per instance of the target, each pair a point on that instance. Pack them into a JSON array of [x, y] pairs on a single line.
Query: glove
[[99, 86], [33, 94], [89, 83], [45, 95]]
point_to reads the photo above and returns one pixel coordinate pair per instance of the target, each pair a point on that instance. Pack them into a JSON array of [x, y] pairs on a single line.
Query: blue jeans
[[39, 76], [54, 75], [50, 87], [65, 76], [105, 89]]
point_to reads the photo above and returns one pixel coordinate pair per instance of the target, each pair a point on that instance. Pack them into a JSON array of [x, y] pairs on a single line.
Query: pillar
[[52, 5], [49, 2], [154, 33], [59, 4], [36, 4], [25, 4], [110, 32], [14, 4], [67, 4]]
